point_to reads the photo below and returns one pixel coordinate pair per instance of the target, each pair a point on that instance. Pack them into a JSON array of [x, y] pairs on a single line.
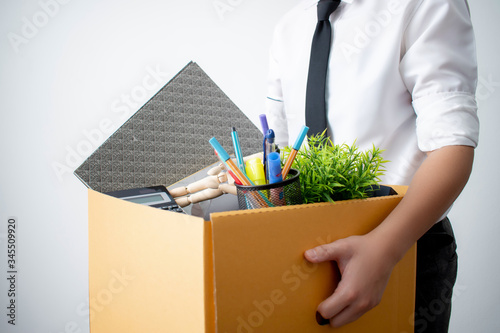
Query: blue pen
[[237, 151], [269, 147]]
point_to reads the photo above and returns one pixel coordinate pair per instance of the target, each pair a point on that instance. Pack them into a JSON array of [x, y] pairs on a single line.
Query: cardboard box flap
[[264, 284], [143, 258]]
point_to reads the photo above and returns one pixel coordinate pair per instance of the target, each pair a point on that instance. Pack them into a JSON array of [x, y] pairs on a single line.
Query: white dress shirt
[[402, 76]]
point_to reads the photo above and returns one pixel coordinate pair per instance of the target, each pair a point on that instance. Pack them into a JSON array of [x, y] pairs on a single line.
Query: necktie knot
[[326, 8]]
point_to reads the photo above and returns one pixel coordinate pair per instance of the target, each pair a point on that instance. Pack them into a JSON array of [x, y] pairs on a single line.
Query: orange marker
[[224, 156], [293, 153]]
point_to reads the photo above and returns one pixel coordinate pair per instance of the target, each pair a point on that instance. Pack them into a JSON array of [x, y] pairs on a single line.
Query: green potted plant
[[330, 172]]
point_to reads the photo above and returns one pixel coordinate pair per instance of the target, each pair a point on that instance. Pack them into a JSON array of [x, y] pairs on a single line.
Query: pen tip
[[234, 129]]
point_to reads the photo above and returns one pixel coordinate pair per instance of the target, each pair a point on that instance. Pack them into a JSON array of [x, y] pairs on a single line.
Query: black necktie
[[318, 65]]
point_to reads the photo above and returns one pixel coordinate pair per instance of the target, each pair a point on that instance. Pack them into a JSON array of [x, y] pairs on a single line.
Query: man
[[402, 76]]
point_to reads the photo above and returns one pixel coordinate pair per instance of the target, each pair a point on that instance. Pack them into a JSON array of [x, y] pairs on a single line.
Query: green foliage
[[331, 172]]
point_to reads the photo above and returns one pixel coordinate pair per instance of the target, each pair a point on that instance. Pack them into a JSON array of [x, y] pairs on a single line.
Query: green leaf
[[329, 171]]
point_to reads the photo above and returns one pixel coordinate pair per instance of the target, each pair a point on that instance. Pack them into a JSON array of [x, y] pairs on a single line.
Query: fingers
[[178, 191], [326, 252], [348, 315], [344, 306], [320, 254], [364, 276], [335, 304], [343, 318], [182, 201]]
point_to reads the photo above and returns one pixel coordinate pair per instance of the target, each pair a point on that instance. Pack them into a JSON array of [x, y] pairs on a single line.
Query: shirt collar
[[310, 3]]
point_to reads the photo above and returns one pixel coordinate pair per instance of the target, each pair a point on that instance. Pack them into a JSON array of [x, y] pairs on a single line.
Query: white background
[[68, 75]]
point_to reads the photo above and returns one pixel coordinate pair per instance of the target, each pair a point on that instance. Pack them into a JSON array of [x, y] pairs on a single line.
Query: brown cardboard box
[[154, 271]]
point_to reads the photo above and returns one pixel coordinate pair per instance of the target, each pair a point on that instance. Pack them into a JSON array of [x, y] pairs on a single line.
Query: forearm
[[435, 186]]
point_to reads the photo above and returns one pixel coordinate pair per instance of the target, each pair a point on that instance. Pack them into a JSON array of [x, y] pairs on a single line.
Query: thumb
[[326, 252]]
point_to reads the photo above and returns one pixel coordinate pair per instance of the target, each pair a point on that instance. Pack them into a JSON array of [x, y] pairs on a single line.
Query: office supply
[[263, 123], [255, 171], [295, 149], [284, 193], [155, 196], [237, 150], [276, 195], [225, 158], [236, 180], [232, 166], [265, 128], [269, 147], [274, 168], [166, 140]]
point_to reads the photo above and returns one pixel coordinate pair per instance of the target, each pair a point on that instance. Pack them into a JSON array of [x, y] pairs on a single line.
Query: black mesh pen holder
[[284, 193]]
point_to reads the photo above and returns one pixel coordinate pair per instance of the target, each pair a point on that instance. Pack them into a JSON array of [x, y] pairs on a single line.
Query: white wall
[[60, 81], [476, 214]]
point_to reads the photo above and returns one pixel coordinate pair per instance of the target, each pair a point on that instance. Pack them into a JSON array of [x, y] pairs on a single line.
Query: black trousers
[[436, 275]]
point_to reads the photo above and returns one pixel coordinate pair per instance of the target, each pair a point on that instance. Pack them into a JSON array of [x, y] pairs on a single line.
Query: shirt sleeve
[[439, 68], [275, 107]]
